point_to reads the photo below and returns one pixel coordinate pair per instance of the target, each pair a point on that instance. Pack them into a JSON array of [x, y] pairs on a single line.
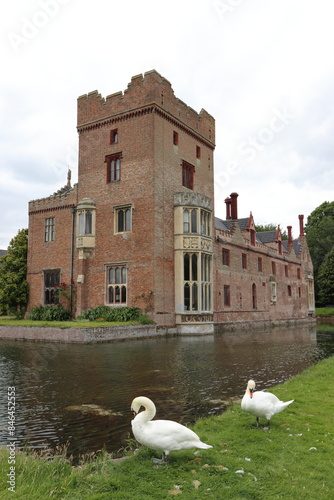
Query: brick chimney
[[234, 206], [301, 225], [289, 228], [228, 207]]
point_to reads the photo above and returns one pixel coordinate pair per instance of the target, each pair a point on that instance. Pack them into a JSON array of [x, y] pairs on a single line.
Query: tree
[[319, 231], [14, 289], [326, 280]]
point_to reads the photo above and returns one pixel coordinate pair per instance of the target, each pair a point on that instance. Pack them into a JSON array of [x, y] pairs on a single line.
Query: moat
[[81, 393]]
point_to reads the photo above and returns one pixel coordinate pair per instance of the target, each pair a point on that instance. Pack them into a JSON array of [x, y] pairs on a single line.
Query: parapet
[[142, 91], [64, 198]]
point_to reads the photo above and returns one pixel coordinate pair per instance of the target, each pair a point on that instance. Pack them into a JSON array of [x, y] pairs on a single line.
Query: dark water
[[82, 394]]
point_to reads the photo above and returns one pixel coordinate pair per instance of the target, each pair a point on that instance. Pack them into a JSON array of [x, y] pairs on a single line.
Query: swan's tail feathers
[[203, 446], [284, 404]]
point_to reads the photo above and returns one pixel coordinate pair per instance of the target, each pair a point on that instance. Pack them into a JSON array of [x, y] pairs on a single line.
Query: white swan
[[161, 435], [262, 404]]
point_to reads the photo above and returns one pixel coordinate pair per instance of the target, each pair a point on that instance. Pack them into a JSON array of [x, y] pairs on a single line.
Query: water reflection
[[82, 393]]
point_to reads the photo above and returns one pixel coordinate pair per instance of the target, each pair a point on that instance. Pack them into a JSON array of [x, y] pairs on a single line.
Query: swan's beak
[[134, 413], [251, 392]]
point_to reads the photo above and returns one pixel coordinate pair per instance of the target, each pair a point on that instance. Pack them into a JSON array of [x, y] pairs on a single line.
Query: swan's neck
[[147, 414]]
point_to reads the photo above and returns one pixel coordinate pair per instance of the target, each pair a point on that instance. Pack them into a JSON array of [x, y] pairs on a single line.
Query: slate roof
[[266, 236], [296, 246], [225, 225]]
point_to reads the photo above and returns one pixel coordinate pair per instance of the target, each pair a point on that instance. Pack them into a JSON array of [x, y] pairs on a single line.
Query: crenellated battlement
[[151, 91], [64, 198]]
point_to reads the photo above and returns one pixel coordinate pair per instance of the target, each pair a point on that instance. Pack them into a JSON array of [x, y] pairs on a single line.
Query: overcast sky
[[263, 68]]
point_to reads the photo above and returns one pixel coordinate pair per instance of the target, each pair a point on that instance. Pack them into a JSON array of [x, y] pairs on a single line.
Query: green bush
[[50, 313], [112, 314]]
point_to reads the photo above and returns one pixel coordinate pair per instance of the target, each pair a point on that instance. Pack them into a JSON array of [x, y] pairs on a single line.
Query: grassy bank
[[11, 321], [294, 459], [325, 311]]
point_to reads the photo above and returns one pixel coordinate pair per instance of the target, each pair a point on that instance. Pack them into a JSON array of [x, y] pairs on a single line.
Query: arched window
[[123, 219]]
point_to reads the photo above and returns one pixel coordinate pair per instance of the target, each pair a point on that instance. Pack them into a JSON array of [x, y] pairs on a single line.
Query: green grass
[[11, 321], [294, 459], [324, 311]]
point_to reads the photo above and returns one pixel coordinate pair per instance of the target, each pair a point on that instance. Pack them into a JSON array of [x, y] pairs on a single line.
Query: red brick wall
[[53, 254]]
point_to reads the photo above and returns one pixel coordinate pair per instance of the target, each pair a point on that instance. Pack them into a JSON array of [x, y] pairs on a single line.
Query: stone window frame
[[51, 282], [85, 222], [123, 218], [49, 229], [116, 284], [196, 221]]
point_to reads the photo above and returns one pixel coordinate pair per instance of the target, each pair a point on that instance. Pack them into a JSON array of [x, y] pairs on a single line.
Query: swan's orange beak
[[251, 392], [134, 413]]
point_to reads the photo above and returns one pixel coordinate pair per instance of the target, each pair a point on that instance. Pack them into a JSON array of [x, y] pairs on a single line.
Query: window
[[175, 138], [273, 268], [116, 284], [259, 264], [188, 175], [197, 282], [286, 271], [190, 277], [123, 219], [273, 292], [85, 222], [244, 261], [289, 291], [198, 152], [114, 136], [49, 229], [226, 257], [205, 223], [190, 220], [254, 299], [113, 167], [206, 281], [227, 295], [51, 284], [298, 273]]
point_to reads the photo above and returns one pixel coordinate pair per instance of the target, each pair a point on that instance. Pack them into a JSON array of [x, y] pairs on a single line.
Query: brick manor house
[[138, 229]]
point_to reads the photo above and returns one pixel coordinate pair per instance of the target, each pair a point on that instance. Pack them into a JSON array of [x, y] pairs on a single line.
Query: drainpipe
[[72, 260]]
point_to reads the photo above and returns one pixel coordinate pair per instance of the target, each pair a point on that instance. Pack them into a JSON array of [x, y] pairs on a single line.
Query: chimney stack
[[234, 206], [228, 208], [289, 228], [301, 225]]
